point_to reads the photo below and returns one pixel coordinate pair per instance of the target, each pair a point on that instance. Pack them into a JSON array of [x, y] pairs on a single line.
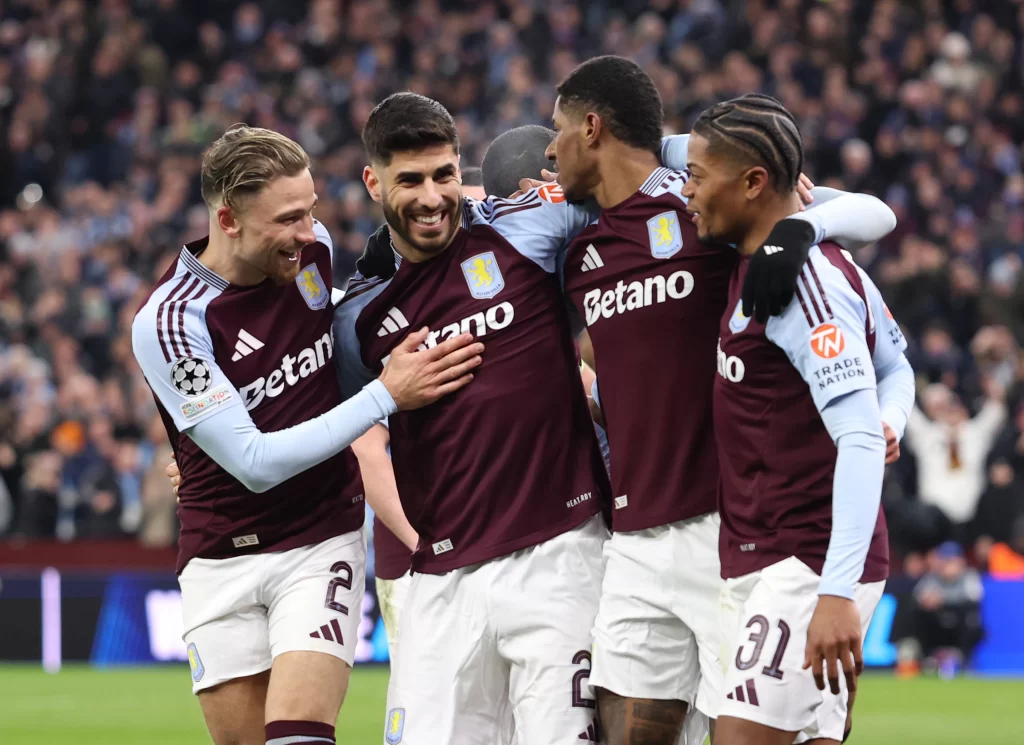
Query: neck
[[778, 208], [622, 171], [219, 257]]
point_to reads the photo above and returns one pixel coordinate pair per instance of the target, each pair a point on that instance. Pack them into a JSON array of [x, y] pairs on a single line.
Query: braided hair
[[760, 128]]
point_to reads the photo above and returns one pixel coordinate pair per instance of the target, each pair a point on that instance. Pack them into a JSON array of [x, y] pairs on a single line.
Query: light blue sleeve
[[175, 382], [896, 392], [854, 423], [851, 220], [823, 331], [262, 460], [675, 150], [540, 224]]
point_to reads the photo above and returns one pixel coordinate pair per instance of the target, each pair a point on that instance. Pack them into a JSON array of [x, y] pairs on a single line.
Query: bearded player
[[235, 342], [799, 403], [651, 294]]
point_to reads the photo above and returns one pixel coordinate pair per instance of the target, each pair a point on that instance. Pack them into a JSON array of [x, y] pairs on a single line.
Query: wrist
[[380, 394]]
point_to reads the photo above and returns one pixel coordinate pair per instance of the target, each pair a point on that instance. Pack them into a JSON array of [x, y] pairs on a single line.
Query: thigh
[[642, 648], [546, 600], [315, 594], [697, 600], [234, 710], [448, 685], [225, 623]]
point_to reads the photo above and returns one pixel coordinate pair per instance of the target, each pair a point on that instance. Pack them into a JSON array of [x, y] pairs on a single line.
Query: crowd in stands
[[106, 106]]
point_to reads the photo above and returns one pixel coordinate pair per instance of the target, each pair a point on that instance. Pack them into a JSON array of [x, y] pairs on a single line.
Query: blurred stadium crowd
[[106, 106]]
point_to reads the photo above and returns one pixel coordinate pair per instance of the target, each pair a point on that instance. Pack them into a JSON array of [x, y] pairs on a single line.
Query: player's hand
[[174, 475], [834, 636], [417, 378], [803, 188], [892, 445], [771, 276]]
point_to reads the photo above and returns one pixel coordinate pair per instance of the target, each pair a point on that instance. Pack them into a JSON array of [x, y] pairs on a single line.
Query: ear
[[755, 181], [592, 128], [372, 184], [228, 221]]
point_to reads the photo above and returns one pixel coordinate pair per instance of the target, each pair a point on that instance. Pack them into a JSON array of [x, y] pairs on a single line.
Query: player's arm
[[851, 220], [219, 424], [379, 484], [539, 223], [825, 336]]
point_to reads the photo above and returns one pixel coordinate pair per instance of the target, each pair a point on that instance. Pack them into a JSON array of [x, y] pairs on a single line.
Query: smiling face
[[721, 192], [421, 195], [272, 226], [576, 161]]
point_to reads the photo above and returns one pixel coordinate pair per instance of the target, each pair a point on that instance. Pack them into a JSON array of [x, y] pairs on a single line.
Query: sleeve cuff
[[808, 216], [379, 393], [838, 589]]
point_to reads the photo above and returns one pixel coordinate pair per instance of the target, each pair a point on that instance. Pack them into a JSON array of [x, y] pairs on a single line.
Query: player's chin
[[284, 272]]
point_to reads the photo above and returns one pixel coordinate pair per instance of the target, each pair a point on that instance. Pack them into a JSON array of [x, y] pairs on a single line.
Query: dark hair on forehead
[[761, 128], [404, 122], [622, 94], [515, 155]]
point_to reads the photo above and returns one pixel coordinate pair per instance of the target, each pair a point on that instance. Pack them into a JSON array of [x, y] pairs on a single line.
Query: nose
[[306, 235], [549, 152], [688, 190], [430, 197]]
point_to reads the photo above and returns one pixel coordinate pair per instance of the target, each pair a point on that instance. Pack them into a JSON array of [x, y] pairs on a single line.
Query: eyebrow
[[417, 176]]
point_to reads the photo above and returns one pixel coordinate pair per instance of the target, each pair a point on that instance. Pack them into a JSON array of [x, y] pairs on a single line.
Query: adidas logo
[[591, 734], [592, 259], [325, 631], [751, 696], [393, 321], [246, 345], [772, 250]]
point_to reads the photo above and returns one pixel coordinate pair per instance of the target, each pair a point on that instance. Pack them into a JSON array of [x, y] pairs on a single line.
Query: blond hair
[[244, 160]]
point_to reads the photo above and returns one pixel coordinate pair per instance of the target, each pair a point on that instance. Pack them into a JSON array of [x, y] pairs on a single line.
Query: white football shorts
[[507, 640], [765, 617], [241, 613], [656, 634], [391, 594]]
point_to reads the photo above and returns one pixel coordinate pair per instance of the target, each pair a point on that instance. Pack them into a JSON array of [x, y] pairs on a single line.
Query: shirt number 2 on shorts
[[344, 580], [759, 637]]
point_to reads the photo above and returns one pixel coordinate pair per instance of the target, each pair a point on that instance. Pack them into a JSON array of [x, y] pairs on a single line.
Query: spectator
[[948, 617], [951, 450]]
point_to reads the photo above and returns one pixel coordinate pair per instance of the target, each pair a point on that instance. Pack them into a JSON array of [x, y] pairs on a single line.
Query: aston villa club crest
[[738, 322], [666, 237], [483, 276], [312, 287]]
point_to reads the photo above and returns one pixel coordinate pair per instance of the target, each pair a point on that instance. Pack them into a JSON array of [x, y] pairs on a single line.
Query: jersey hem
[[643, 521], [430, 566]]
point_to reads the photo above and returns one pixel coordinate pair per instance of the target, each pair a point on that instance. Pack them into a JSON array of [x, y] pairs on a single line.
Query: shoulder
[[360, 293], [322, 236], [665, 181]]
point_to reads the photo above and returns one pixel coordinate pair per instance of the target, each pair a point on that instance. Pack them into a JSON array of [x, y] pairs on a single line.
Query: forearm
[[381, 490], [262, 460], [852, 220], [896, 395], [854, 422]]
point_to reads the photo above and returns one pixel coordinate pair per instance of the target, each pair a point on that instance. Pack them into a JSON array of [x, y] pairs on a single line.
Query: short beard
[[394, 221]]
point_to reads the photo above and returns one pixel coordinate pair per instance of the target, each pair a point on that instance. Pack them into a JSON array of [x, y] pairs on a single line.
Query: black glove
[[378, 259], [771, 276]]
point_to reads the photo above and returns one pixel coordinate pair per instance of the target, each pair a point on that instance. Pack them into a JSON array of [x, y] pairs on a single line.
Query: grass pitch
[[154, 706]]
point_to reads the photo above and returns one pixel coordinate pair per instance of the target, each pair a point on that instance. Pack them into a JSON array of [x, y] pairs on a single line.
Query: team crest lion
[[312, 287], [395, 726], [483, 276], [738, 322], [666, 238]]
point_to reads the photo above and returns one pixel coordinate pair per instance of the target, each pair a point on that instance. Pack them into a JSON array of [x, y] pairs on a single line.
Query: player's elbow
[[886, 218], [868, 439]]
